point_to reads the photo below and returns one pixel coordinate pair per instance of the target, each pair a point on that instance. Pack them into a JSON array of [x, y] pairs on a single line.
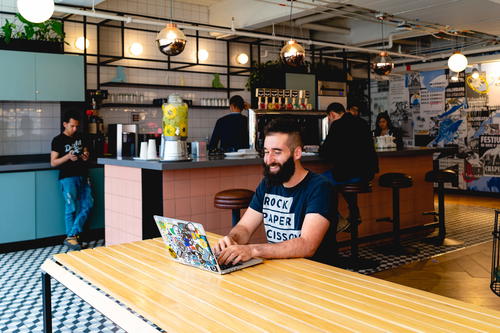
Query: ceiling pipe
[[326, 28], [448, 54], [128, 19]]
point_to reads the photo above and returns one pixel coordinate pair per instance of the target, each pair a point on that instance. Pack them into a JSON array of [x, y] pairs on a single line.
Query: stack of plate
[[242, 153]]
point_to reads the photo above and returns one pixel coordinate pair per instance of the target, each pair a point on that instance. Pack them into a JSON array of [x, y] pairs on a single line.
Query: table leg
[[47, 303]]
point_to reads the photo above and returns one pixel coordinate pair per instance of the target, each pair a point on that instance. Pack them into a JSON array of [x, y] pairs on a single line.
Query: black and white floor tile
[[20, 284]]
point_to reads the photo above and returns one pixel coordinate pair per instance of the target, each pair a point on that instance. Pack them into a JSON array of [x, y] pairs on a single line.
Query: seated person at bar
[[292, 202], [232, 129], [350, 151], [383, 126]]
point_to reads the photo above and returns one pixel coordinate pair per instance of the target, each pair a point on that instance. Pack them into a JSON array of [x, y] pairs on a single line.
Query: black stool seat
[[355, 262], [234, 199], [441, 176], [395, 180]]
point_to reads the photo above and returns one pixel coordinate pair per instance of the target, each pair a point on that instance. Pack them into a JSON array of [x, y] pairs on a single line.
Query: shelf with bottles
[[166, 86], [129, 105], [280, 100], [298, 112]]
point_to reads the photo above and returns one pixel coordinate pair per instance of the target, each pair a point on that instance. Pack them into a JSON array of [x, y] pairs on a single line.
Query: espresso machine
[[123, 140]]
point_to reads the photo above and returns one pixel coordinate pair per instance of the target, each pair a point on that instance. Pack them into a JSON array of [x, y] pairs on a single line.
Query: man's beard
[[284, 174]]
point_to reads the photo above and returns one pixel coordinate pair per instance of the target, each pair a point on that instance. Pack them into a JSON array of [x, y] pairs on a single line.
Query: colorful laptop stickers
[[187, 243]]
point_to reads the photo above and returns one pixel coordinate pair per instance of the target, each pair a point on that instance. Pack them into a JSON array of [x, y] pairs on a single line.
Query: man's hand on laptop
[[223, 243], [234, 254]]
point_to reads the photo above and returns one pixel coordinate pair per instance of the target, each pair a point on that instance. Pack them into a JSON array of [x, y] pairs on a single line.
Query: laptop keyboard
[[227, 266]]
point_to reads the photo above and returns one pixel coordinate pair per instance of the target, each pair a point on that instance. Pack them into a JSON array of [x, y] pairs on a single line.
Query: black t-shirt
[[63, 144], [232, 132], [284, 210]]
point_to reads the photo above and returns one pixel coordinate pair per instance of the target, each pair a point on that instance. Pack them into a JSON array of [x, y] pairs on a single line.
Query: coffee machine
[[123, 140]]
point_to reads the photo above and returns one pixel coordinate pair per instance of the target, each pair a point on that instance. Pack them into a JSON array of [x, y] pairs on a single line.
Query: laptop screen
[[187, 243]]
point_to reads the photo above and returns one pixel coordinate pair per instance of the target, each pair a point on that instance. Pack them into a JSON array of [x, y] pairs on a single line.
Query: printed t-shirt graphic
[[279, 221]]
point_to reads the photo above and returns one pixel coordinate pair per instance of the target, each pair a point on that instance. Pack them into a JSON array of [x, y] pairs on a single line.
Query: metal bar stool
[[396, 181], [441, 177], [355, 262], [234, 199]]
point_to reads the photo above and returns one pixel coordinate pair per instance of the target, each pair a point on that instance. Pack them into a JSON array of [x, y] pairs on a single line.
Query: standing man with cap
[[232, 129]]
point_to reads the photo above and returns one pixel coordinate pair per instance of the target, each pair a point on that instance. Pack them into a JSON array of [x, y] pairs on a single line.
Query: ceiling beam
[[326, 28]]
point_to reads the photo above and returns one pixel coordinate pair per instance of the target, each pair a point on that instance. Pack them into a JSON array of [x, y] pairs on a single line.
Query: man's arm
[[216, 134], [313, 231], [56, 161], [241, 233]]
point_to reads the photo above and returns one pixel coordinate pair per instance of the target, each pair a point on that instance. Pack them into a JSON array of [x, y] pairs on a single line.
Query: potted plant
[[47, 36]]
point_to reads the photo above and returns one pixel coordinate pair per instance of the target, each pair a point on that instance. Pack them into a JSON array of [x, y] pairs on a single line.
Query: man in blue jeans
[[70, 155]]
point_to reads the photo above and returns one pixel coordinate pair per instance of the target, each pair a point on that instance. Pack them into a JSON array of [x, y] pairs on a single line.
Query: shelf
[[159, 106], [292, 112], [164, 86]]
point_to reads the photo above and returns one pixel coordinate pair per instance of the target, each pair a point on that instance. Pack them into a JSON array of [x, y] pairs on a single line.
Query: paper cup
[[152, 149], [144, 151]]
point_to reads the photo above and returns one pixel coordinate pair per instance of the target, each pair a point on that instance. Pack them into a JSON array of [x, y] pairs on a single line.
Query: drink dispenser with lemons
[[175, 129]]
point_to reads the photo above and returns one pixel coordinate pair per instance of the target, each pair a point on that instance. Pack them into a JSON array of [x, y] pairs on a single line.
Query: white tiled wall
[[28, 128]]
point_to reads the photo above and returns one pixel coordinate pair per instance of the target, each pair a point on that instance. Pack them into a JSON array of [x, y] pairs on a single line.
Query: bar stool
[[441, 177], [234, 199], [355, 261], [396, 181]]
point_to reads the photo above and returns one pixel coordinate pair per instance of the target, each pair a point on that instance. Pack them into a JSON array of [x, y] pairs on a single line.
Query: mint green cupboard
[[31, 76], [59, 77], [17, 70], [17, 206]]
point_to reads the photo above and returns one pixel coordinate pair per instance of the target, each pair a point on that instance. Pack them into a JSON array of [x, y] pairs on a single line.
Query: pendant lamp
[[292, 53], [382, 64], [171, 40], [457, 62], [36, 11]]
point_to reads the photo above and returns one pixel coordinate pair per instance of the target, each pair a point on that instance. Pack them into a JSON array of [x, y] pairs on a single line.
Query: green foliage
[[50, 30]]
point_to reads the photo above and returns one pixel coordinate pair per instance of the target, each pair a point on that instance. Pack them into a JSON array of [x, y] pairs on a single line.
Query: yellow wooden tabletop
[[295, 295]]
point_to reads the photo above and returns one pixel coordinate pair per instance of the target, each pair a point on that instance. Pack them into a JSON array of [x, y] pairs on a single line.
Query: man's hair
[[71, 114], [351, 105], [237, 101], [335, 107], [287, 126]]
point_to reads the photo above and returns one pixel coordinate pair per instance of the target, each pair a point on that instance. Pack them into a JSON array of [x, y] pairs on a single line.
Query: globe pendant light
[[292, 54], [457, 62], [382, 64], [170, 40], [36, 11]]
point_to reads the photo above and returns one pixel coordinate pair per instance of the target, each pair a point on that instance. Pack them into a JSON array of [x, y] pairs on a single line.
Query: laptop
[[187, 244]]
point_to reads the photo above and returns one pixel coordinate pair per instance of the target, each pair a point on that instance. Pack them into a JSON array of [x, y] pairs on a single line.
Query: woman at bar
[[383, 126]]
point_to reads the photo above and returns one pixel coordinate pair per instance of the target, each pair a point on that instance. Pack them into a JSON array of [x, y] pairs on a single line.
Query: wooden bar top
[[292, 295]]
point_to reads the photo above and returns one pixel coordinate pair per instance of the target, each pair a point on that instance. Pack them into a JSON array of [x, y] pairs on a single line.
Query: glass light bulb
[[242, 58], [457, 62], [475, 74], [203, 54], [136, 49], [36, 11], [382, 64], [81, 43]]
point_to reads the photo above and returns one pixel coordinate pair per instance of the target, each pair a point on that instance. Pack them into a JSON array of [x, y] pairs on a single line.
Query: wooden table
[[296, 295]]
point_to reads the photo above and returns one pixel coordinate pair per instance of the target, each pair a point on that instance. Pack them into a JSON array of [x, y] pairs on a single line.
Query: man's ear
[[297, 153]]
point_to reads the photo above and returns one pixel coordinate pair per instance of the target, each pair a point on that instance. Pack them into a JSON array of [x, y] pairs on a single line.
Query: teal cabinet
[[49, 204], [17, 70], [17, 206], [41, 77], [59, 77]]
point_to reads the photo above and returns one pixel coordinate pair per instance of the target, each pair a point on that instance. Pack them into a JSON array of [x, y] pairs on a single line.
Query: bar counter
[[135, 190]]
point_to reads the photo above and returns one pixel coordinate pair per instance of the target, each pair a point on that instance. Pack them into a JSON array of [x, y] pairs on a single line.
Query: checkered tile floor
[[20, 286]]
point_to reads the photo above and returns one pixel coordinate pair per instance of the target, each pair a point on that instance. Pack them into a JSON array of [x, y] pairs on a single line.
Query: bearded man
[[293, 203]]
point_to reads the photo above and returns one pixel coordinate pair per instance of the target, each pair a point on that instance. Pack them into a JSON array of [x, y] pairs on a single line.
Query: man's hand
[[72, 156], [224, 243], [85, 156], [235, 254]]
